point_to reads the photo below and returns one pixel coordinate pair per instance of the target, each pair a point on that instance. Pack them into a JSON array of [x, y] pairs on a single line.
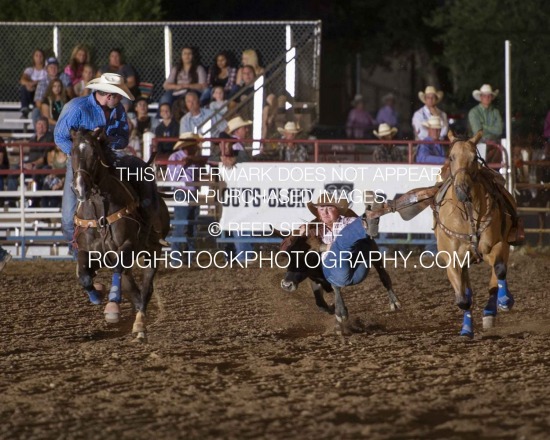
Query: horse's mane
[[99, 139]]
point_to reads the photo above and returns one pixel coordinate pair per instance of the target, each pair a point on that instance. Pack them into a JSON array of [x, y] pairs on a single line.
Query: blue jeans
[[68, 204], [189, 213], [340, 266]]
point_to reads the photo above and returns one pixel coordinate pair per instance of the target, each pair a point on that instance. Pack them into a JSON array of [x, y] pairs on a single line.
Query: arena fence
[[28, 226], [153, 47]]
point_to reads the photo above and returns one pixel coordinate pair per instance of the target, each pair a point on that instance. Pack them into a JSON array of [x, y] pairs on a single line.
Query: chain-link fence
[[144, 47]]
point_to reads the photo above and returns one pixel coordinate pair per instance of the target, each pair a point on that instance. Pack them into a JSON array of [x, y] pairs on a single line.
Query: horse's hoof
[[488, 322], [395, 306], [505, 306], [341, 319], [140, 338], [112, 312], [467, 334]]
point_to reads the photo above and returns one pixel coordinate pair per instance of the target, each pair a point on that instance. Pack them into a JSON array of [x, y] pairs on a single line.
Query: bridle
[[476, 227]]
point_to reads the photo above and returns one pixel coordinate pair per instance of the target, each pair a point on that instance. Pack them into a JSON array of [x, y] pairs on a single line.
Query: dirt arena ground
[[230, 355]]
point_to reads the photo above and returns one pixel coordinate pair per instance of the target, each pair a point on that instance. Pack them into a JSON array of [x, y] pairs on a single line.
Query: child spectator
[[218, 101], [87, 75]]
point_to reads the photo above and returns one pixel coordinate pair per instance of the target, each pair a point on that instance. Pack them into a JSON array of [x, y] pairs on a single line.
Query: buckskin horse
[[474, 217], [108, 222]]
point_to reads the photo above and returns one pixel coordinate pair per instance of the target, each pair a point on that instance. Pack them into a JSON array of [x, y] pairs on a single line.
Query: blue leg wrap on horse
[[95, 297], [114, 293], [505, 298], [491, 307], [467, 325]]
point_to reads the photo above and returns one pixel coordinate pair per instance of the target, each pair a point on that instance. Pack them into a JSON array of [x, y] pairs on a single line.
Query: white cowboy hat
[[432, 122], [385, 130], [111, 83], [357, 98], [329, 199], [187, 140], [236, 123], [485, 89], [430, 90], [290, 127]]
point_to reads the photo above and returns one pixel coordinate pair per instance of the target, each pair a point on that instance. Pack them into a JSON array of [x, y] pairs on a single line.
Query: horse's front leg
[[459, 278], [499, 295], [112, 309], [85, 271]]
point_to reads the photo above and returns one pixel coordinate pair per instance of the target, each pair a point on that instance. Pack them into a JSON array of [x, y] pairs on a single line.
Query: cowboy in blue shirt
[[101, 109]]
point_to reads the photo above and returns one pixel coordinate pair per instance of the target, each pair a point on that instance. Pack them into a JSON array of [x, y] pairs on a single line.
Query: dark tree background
[[458, 45]]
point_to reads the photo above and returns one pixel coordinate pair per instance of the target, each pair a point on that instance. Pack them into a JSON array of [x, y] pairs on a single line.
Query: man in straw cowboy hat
[[342, 234], [486, 117], [184, 174], [386, 153], [291, 151], [101, 109], [430, 97], [238, 129], [431, 153]]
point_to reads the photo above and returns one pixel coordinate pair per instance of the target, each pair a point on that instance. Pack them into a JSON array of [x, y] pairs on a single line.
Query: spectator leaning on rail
[[386, 153], [430, 97], [290, 151], [486, 117], [431, 153], [102, 109]]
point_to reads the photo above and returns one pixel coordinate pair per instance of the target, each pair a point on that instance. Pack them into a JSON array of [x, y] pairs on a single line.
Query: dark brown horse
[[110, 230], [474, 215]]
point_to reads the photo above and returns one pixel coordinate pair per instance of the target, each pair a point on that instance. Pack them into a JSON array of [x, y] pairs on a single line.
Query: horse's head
[[86, 158], [463, 164]]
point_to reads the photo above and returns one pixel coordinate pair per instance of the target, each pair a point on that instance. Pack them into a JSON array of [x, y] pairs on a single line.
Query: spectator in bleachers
[[269, 113], [238, 129], [4, 165], [56, 160], [220, 74], [35, 159], [387, 113], [291, 151], [431, 153], [54, 101], [80, 56], [386, 153], [186, 75], [196, 116], [52, 68], [168, 127], [486, 117], [360, 123], [118, 65], [186, 172], [249, 58], [140, 120], [430, 97], [218, 101], [29, 80], [87, 75]]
